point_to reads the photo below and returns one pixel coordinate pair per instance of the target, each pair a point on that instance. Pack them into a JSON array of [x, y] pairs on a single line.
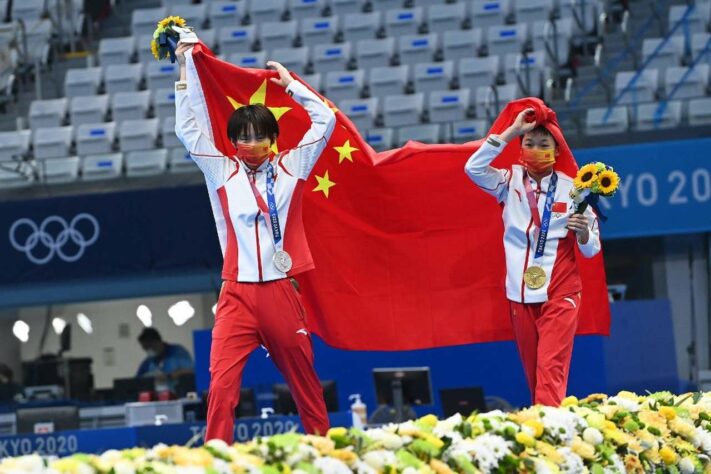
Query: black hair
[[149, 335], [260, 117], [540, 130]]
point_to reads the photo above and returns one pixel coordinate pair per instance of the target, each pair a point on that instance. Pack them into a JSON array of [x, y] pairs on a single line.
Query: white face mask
[[151, 353]]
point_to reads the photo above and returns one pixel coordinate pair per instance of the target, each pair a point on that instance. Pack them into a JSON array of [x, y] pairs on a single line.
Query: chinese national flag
[[408, 251]]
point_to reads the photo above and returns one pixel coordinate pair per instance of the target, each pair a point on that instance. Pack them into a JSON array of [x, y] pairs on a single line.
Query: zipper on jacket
[[259, 250]]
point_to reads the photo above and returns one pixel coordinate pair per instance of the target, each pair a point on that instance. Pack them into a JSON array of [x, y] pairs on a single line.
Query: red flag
[[408, 251]]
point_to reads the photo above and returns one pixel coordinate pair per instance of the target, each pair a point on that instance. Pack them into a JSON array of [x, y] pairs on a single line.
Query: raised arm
[[491, 180]]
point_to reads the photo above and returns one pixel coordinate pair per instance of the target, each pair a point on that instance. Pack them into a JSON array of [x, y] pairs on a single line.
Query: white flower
[[702, 440], [410, 470], [572, 464], [488, 450], [544, 467], [446, 427], [625, 403], [387, 439], [687, 466], [592, 436], [124, 466], [218, 445], [189, 470], [303, 452], [560, 423], [380, 458], [362, 468], [617, 467], [328, 465]]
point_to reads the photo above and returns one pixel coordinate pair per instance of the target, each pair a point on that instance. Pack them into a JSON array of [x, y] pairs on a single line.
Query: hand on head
[[284, 77], [521, 125]]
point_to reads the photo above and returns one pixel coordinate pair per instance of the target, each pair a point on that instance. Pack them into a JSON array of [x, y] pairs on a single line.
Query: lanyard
[[268, 207], [542, 223]]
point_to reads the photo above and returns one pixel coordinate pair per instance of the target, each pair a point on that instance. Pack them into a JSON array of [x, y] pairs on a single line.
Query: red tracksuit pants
[[270, 314], [544, 335]]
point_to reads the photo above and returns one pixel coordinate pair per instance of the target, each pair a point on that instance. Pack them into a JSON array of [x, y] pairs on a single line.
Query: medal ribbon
[[270, 208], [542, 224]]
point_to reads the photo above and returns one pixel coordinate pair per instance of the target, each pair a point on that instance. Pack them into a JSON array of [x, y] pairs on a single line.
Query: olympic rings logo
[[55, 242]]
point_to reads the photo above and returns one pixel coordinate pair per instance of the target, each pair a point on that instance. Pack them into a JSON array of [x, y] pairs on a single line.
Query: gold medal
[[534, 277]]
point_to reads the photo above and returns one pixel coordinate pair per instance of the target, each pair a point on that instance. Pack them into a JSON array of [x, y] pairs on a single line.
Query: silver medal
[[282, 261]]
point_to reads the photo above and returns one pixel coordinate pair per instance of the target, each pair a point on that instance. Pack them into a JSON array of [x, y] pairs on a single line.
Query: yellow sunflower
[[586, 176], [176, 20], [607, 182], [154, 49]]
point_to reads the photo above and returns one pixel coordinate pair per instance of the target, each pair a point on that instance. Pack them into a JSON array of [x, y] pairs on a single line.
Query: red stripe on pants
[[544, 335], [250, 314]]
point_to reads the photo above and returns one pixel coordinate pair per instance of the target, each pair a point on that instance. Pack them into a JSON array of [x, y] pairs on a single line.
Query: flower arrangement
[[592, 181], [169, 31], [658, 433]]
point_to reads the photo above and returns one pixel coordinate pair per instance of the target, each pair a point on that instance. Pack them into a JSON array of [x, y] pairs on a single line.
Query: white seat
[[60, 170], [14, 144], [486, 13], [95, 138], [301, 9], [29, 11], [600, 122], [331, 57], [417, 48], [164, 103], [252, 60], [528, 71], [146, 162], [651, 117], [179, 161], [666, 55], [346, 7], [84, 81], [361, 26], [315, 31], [385, 81], [132, 105], [52, 142], [341, 85], [461, 44], [699, 42], [529, 11], [401, 110], [478, 72], [138, 134], [314, 80], [225, 14], [143, 49], [700, 111], [362, 112], [584, 14], [236, 39], [116, 50], [448, 106], [88, 109], [47, 113], [557, 35], [401, 21], [98, 167], [429, 133], [505, 39], [263, 11], [143, 20], [491, 100], [38, 35], [168, 136], [468, 130], [380, 139], [643, 89], [123, 77], [695, 21], [375, 52], [10, 179], [684, 83], [447, 17], [433, 76], [209, 37], [294, 59], [161, 75], [278, 34], [194, 14], [383, 5]]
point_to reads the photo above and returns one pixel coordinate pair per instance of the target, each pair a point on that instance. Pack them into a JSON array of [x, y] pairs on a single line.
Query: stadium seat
[[29, 11], [225, 14], [84, 81], [88, 109], [685, 83], [528, 71], [38, 41], [557, 34], [700, 111], [98, 167], [163, 101], [401, 110], [529, 11], [468, 130], [52, 142], [179, 161], [277, 34], [383, 5], [631, 87], [448, 106], [138, 134], [95, 138], [314, 80], [60, 170], [346, 7], [116, 50], [143, 20], [584, 14], [695, 21], [123, 78], [10, 179], [485, 13], [444, 18], [47, 113], [263, 11], [194, 14], [461, 44], [505, 39], [417, 48], [699, 42], [133, 105], [341, 85], [361, 26], [380, 139], [146, 162], [400, 22], [375, 53], [331, 57], [236, 39], [315, 31], [599, 123], [301, 9], [429, 133], [168, 136], [385, 81], [650, 117], [253, 60], [430, 77], [294, 59], [362, 112], [161, 75], [660, 55], [477, 72], [143, 49], [14, 144], [491, 100]]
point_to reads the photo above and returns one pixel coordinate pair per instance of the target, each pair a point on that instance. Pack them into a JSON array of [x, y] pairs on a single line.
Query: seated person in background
[[164, 361], [9, 390]]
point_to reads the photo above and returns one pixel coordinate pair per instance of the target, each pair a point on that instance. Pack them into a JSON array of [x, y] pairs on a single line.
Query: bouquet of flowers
[[165, 39], [592, 181]]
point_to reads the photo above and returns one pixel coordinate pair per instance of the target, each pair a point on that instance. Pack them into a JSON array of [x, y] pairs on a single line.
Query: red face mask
[[538, 160], [254, 155]]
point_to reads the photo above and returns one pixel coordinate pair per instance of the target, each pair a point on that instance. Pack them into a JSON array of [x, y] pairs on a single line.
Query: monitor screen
[[47, 419], [128, 390], [462, 400], [284, 404], [415, 381]]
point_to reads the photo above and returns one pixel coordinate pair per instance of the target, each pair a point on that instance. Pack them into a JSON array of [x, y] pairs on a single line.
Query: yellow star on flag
[[345, 152], [260, 97], [324, 183]]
